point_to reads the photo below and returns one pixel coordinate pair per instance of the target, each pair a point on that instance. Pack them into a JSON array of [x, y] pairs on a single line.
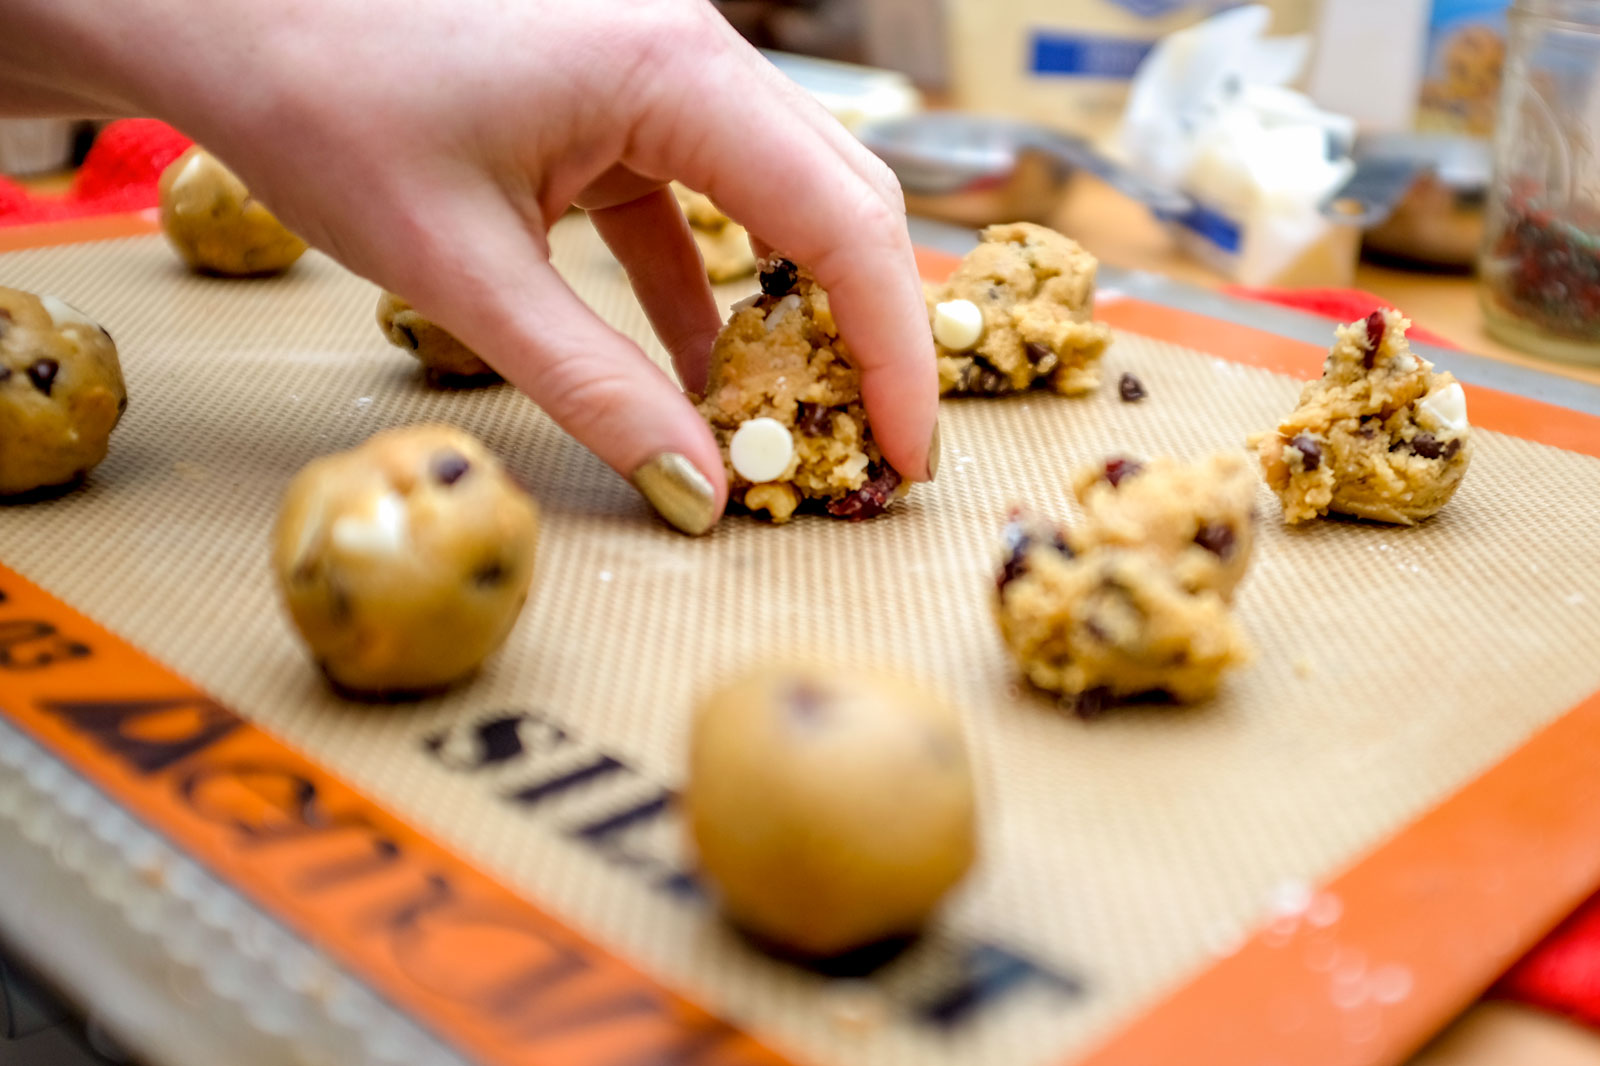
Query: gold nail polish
[[678, 492], [933, 453]]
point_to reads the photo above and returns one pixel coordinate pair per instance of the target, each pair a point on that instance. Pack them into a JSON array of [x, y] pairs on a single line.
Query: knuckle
[[593, 406]]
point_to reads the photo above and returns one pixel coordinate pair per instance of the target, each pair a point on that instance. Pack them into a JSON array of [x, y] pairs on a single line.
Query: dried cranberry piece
[[871, 499], [1217, 538], [814, 420], [1375, 327], [43, 374], [1131, 389], [1309, 450], [1121, 468], [450, 467], [778, 277]]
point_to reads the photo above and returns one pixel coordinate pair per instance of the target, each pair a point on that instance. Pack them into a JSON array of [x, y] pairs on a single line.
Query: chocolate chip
[[1016, 540], [1093, 703], [1042, 358], [122, 404], [1216, 538], [814, 420], [1131, 389], [450, 467], [1310, 451], [1427, 446], [411, 338], [778, 277], [1451, 449], [806, 701], [871, 499], [490, 574], [983, 380], [1120, 469], [43, 374], [5, 374]]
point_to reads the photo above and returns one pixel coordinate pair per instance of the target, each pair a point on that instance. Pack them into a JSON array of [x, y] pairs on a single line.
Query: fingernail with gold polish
[[679, 492], [933, 454]]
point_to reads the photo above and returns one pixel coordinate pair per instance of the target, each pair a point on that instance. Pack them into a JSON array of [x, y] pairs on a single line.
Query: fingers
[[651, 238], [508, 303], [773, 170]]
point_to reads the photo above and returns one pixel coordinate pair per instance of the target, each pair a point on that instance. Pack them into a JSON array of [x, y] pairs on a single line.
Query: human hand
[[432, 151]]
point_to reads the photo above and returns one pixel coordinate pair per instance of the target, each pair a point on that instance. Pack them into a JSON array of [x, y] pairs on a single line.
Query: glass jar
[[1539, 271]]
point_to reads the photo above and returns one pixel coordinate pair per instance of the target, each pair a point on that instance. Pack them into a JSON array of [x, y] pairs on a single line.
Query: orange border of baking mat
[[1454, 897]]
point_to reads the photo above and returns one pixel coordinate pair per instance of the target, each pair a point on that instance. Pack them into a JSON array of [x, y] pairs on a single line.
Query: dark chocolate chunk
[[411, 338], [814, 420], [1120, 469], [1450, 449], [983, 380], [1310, 451], [1093, 703], [43, 374], [1216, 538], [490, 574], [1427, 446], [1131, 389], [450, 467], [1042, 358], [778, 277], [871, 499]]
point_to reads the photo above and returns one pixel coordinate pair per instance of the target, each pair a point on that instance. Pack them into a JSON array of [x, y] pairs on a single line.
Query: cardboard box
[[1067, 63]]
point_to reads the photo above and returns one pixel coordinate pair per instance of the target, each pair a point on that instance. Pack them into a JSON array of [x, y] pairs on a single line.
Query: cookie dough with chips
[[1379, 436], [1016, 314], [61, 392], [214, 223], [724, 244], [1134, 599], [831, 809], [404, 562], [785, 405], [445, 360]]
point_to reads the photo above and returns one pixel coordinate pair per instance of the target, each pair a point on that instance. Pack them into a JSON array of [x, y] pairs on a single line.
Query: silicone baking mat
[[1319, 865]]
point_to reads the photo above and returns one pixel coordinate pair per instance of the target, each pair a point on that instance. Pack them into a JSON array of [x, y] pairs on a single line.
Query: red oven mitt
[[119, 175]]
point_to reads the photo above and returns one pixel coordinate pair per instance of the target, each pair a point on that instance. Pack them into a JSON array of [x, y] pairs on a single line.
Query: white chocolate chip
[[383, 532], [957, 324], [789, 303], [761, 449], [63, 313], [1446, 406]]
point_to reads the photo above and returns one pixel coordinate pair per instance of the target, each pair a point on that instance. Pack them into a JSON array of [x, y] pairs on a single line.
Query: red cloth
[[125, 164], [120, 174]]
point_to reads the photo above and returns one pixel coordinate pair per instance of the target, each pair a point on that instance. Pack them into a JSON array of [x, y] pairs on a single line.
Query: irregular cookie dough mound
[[831, 809], [216, 226], [444, 359], [1135, 598], [724, 244], [1379, 436], [405, 561], [61, 392], [1016, 314], [784, 403]]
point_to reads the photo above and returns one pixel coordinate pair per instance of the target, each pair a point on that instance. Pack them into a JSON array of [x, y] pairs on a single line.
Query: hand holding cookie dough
[[332, 114]]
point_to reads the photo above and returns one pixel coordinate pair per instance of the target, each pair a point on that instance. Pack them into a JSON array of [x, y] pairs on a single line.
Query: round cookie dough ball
[[404, 562], [444, 358], [61, 392], [832, 809], [215, 224]]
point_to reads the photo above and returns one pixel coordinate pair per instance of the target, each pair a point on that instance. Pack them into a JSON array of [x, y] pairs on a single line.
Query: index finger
[[771, 169]]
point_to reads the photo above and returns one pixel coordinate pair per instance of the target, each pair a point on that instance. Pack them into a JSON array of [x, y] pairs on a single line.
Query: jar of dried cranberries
[[1539, 269]]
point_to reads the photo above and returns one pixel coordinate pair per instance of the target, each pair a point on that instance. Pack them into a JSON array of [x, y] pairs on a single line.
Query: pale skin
[[429, 146]]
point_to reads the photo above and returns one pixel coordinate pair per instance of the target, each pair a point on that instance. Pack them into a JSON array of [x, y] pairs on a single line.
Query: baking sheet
[[1120, 855]]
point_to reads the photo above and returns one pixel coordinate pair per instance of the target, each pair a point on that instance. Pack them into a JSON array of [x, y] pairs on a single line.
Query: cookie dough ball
[[444, 359], [1017, 314], [405, 562], [724, 244], [831, 809], [215, 224], [1135, 598], [1380, 436], [785, 405], [61, 392]]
